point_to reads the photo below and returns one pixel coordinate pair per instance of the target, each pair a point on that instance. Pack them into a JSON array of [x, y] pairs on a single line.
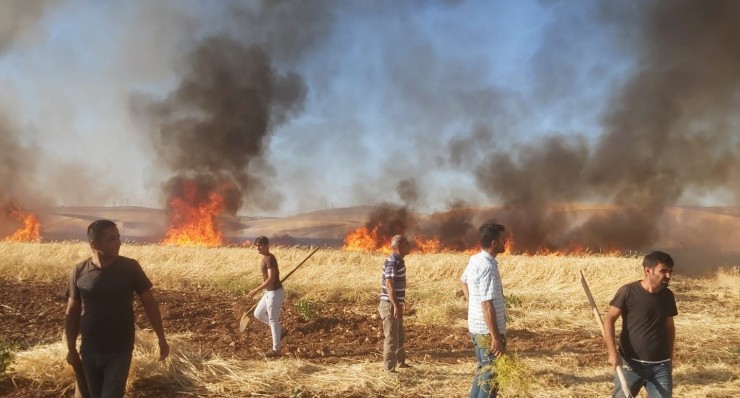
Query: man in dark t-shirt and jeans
[[100, 308], [647, 308]]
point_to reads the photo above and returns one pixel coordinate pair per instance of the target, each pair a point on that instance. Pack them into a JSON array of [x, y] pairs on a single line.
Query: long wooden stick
[[600, 322], [81, 390], [247, 320]]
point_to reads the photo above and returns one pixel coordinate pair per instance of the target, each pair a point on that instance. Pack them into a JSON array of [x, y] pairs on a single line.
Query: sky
[[309, 105]]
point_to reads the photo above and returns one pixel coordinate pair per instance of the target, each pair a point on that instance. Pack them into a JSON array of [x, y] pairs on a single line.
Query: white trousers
[[268, 312]]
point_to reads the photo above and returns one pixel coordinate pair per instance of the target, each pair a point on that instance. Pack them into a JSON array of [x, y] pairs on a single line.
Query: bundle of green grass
[[512, 375]]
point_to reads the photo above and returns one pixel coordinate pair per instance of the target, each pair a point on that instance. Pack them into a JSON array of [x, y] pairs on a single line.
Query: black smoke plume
[[388, 220], [216, 125], [670, 131]]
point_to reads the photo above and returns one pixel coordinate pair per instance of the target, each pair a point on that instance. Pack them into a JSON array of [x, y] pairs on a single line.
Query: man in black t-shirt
[[647, 308], [100, 308]]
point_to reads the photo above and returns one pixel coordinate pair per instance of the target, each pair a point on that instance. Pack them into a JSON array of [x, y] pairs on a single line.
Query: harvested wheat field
[[334, 347]]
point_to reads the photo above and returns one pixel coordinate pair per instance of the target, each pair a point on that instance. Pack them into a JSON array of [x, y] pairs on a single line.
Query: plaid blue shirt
[[484, 283]]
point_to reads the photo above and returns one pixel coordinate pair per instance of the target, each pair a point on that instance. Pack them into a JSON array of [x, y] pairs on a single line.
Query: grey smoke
[[670, 129], [19, 17], [408, 191]]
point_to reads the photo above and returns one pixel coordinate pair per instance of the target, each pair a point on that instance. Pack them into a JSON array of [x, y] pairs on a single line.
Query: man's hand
[[497, 345], [614, 359], [397, 310], [73, 358], [164, 349]]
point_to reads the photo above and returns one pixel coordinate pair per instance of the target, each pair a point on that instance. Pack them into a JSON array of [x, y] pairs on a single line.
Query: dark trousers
[[106, 373]]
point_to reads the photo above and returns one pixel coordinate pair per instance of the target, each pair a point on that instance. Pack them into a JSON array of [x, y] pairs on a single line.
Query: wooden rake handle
[[600, 322], [81, 390]]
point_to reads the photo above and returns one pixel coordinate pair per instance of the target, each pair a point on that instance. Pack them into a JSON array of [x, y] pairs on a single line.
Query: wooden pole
[[81, 390], [600, 322]]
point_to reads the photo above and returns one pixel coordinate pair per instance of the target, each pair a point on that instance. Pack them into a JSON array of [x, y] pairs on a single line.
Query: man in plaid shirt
[[481, 283]]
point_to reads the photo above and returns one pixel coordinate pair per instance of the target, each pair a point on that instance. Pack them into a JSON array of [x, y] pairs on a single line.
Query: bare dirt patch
[[32, 313]]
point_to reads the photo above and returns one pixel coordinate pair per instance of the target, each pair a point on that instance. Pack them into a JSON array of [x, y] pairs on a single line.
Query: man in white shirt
[[481, 283]]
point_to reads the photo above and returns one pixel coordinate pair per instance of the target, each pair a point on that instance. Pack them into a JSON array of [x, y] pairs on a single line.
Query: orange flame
[[572, 249], [31, 226], [194, 225], [363, 239], [509, 245], [432, 245]]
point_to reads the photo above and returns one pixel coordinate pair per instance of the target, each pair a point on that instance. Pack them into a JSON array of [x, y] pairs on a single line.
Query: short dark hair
[[657, 257], [489, 232], [261, 240], [96, 228]]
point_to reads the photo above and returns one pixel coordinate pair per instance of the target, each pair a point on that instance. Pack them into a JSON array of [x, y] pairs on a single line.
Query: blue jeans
[[106, 373], [483, 387], [657, 379]]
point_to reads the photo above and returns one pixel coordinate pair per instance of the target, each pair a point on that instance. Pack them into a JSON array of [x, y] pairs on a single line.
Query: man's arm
[[489, 315], [155, 318], [465, 290], [72, 329], [271, 278], [671, 335], [610, 335], [397, 309]]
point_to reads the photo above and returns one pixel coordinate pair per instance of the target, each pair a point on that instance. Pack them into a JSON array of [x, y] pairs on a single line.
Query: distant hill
[[680, 226], [143, 224]]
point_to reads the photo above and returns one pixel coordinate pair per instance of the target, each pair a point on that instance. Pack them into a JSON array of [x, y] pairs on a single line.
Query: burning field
[[22, 225], [589, 163]]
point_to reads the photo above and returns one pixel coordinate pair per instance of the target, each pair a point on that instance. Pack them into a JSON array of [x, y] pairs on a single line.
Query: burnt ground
[[32, 313]]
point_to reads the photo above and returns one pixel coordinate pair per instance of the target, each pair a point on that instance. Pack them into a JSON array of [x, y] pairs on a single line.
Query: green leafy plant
[[511, 301], [512, 375], [6, 357], [308, 309], [297, 393]]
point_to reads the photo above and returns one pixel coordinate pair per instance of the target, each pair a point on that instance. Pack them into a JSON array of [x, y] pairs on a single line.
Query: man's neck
[[102, 261], [650, 288], [491, 251]]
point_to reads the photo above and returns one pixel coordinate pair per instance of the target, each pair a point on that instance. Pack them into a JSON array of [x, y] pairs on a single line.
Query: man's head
[[263, 244], [400, 245], [658, 268], [492, 237], [104, 238]]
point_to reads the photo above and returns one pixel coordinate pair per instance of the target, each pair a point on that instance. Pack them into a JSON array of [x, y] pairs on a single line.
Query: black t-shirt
[[107, 295], [644, 315]]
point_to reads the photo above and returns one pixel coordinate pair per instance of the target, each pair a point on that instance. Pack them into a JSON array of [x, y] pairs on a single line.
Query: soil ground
[[32, 313]]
